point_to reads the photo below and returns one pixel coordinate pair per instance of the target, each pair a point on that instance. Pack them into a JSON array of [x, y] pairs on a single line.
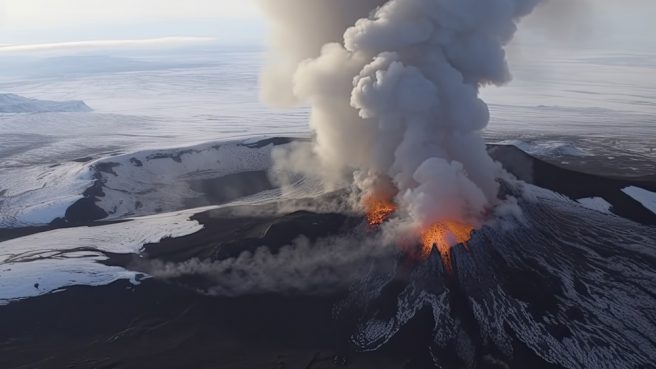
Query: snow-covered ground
[[139, 183], [45, 262]]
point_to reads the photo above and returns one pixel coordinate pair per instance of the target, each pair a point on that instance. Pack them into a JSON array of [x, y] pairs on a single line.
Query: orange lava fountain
[[443, 236], [378, 210]]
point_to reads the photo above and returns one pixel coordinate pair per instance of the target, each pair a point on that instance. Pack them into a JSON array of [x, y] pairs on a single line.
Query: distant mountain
[[10, 103]]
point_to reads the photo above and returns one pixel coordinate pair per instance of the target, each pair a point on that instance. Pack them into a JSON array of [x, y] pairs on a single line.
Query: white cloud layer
[[102, 44], [594, 23], [55, 12], [46, 21]]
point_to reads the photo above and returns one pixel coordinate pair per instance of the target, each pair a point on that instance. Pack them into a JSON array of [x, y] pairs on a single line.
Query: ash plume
[[393, 87]]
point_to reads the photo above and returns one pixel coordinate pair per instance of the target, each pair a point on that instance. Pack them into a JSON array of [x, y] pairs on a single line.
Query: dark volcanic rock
[[162, 326], [576, 185], [230, 187]]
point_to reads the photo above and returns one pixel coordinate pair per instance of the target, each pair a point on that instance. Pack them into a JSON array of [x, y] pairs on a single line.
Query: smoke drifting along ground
[[322, 267], [393, 86]]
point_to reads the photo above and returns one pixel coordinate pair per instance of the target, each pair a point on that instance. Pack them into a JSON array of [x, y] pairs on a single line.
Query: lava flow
[[378, 210], [443, 236]]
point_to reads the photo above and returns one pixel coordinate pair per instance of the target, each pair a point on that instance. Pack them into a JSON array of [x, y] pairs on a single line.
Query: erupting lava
[[443, 236], [378, 210]]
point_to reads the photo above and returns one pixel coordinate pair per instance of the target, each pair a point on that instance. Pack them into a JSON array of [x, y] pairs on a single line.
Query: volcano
[[303, 283]]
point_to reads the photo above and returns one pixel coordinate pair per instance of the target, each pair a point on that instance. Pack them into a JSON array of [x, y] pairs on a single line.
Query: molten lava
[[443, 236], [378, 209]]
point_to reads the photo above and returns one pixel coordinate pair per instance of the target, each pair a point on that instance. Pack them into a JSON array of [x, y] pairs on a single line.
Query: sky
[[611, 24], [45, 21], [566, 23]]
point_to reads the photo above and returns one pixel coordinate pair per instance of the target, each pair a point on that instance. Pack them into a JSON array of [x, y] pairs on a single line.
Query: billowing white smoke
[[393, 86]]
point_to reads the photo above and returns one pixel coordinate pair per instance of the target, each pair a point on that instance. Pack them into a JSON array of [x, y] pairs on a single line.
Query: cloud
[[60, 13], [162, 42]]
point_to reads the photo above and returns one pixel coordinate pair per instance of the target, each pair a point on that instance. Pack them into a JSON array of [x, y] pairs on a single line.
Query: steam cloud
[[393, 86]]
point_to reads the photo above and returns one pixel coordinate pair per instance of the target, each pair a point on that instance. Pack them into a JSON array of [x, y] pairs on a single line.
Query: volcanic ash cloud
[[393, 86]]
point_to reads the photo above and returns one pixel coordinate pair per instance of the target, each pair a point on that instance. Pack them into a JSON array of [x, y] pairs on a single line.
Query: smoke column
[[393, 89]]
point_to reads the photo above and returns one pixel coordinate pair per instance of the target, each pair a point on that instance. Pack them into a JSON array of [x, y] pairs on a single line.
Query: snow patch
[[646, 198], [596, 203]]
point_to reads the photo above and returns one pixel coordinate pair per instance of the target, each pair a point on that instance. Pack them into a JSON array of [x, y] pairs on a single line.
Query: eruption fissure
[[443, 236]]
